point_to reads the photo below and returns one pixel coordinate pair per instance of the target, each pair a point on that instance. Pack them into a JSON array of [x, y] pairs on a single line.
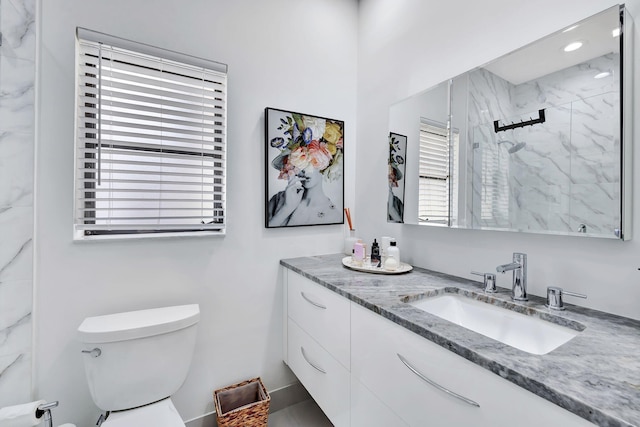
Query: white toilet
[[135, 361]]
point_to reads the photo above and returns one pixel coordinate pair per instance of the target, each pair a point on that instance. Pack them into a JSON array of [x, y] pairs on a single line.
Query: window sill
[[79, 237]]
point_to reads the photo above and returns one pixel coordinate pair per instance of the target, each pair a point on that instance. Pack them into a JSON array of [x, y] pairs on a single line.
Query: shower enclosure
[[561, 174]]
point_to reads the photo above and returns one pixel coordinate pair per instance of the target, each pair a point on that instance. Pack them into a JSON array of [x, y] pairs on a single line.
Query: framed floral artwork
[[396, 173], [304, 169]]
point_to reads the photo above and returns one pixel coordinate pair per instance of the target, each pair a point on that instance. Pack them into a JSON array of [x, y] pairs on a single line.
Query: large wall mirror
[[535, 141]]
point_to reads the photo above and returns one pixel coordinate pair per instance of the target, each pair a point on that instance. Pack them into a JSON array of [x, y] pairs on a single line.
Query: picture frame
[[396, 173], [304, 169]]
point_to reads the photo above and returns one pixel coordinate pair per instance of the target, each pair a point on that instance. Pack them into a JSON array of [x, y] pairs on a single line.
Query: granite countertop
[[596, 375]]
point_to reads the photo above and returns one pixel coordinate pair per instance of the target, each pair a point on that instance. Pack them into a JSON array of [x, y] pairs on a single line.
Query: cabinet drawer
[[376, 346], [368, 411], [323, 376], [322, 313]]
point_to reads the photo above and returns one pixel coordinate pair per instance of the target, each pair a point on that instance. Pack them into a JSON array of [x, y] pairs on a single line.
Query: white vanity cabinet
[[349, 359], [317, 345], [377, 346], [369, 411]]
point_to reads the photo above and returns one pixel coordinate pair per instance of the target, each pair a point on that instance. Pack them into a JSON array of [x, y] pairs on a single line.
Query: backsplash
[[17, 76]]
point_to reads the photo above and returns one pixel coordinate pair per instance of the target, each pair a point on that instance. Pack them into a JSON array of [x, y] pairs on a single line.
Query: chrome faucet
[[519, 268]]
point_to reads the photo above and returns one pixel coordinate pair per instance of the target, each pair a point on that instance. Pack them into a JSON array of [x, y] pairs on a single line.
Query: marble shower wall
[[568, 173], [17, 76]]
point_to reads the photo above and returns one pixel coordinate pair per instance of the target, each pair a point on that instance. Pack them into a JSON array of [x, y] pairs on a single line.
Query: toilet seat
[[159, 414]]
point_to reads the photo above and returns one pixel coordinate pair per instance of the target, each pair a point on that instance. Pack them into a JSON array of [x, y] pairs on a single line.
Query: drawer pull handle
[[436, 385], [312, 302], [310, 362]]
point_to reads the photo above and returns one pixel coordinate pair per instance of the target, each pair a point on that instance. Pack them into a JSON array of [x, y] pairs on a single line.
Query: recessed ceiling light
[[615, 32], [573, 46], [602, 75], [573, 27]]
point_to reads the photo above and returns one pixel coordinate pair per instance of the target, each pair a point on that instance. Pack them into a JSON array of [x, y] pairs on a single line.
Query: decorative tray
[[367, 268]]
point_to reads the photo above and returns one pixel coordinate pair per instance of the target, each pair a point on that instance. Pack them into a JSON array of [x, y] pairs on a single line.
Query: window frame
[[215, 157]]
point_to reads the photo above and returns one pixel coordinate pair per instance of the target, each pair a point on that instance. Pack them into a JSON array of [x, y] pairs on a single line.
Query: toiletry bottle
[[375, 254], [385, 242], [392, 262], [349, 241], [358, 253]]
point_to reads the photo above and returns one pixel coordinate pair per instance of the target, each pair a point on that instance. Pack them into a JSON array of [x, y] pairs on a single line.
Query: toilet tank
[[138, 357]]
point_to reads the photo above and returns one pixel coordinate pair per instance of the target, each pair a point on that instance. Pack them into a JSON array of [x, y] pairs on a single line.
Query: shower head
[[515, 147]]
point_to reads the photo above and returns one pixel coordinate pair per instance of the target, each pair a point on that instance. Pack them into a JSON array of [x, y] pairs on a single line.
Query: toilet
[[135, 361]]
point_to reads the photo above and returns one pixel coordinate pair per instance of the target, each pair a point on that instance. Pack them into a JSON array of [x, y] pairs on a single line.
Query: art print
[[304, 169], [396, 172]]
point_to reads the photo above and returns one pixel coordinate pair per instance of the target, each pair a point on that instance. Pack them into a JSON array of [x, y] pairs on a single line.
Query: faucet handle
[[554, 297], [489, 281]]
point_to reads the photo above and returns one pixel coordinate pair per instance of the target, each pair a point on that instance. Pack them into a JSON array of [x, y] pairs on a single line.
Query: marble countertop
[[596, 375]]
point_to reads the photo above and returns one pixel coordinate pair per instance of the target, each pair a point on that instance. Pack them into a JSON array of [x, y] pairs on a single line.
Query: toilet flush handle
[[96, 352]]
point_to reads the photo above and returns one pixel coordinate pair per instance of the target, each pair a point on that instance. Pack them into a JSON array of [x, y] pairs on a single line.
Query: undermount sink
[[528, 333]]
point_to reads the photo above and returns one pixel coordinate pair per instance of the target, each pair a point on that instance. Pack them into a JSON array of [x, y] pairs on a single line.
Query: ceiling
[[547, 55]]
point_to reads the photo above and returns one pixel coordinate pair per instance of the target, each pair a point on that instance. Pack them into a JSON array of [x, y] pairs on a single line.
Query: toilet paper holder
[[45, 409]]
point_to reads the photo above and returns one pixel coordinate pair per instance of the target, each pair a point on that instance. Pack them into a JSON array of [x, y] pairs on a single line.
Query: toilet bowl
[[135, 361]]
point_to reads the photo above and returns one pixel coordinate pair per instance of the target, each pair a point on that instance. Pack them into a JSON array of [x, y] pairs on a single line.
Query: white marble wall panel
[[15, 369], [17, 23], [540, 175], [17, 76], [16, 247], [16, 287], [540, 208], [595, 206], [490, 97], [11, 292], [595, 142], [16, 169], [16, 94]]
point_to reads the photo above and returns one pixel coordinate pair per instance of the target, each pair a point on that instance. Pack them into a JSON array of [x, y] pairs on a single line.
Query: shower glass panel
[[546, 153], [523, 175]]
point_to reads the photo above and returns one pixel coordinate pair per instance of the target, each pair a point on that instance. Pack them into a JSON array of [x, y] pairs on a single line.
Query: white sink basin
[[527, 333]]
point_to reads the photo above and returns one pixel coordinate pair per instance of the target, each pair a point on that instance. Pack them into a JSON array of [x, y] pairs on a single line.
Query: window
[[150, 140], [495, 187], [437, 192]]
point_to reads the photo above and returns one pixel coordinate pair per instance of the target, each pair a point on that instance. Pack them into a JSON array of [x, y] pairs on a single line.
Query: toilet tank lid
[[137, 324]]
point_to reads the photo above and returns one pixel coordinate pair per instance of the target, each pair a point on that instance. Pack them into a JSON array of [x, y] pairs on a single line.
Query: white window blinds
[[495, 186], [151, 140], [435, 179]]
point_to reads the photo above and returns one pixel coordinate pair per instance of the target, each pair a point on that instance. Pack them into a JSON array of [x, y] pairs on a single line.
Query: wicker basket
[[245, 404]]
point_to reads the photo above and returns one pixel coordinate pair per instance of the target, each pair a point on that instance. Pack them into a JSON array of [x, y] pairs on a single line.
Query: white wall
[[292, 54], [407, 46]]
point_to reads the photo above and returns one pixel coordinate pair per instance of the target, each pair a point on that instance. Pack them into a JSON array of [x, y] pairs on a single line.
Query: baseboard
[[281, 398]]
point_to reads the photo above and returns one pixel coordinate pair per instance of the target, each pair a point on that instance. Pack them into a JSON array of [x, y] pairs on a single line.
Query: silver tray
[[366, 268]]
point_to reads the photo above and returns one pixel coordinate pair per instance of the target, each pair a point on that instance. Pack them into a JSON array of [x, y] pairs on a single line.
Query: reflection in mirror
[[562, 174], [534, 143], [407, 118], [397, 155]]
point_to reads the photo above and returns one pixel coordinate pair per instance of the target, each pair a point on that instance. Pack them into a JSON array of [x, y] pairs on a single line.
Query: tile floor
[[303, 414]]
